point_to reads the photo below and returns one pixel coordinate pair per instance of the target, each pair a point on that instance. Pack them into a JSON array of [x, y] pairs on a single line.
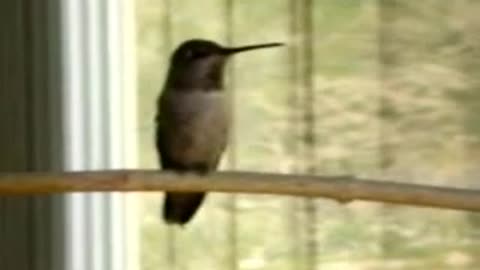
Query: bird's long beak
[[234, 50]]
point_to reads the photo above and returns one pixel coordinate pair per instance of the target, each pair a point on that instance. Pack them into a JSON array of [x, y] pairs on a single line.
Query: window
[[388, 89]]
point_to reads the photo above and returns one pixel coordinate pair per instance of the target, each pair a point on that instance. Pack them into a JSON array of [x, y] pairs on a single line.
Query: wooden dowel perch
[[340, 188]]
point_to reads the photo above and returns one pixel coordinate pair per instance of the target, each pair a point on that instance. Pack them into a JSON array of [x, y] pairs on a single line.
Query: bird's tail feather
[[179, 208]]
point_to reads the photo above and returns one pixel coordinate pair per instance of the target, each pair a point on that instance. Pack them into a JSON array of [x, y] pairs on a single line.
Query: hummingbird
[[192, 120]]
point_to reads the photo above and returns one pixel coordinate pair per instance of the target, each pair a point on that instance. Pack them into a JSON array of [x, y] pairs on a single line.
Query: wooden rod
[[340, 188]]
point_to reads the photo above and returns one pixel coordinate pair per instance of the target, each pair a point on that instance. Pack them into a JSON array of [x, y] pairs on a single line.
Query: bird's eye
[[189, 54], [193, 54]]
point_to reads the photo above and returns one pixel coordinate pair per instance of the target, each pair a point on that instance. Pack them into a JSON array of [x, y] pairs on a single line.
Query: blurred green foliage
[[395, 79]]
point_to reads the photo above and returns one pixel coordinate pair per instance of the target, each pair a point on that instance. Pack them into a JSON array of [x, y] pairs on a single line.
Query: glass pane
[[394, 96]]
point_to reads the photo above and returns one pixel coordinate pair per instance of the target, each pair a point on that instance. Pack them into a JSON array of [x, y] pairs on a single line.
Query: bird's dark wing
[[163, 142]]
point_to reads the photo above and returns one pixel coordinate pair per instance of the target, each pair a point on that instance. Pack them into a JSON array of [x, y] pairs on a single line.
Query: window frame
[[99, 120]]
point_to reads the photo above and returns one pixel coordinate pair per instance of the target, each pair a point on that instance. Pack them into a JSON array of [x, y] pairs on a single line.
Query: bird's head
[[200, 63]]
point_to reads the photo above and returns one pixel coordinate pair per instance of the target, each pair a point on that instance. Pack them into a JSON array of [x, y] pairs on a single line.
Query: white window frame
[[99, 121]]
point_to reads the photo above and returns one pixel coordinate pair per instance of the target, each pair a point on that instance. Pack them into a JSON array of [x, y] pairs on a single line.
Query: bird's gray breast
[[194, 125]]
